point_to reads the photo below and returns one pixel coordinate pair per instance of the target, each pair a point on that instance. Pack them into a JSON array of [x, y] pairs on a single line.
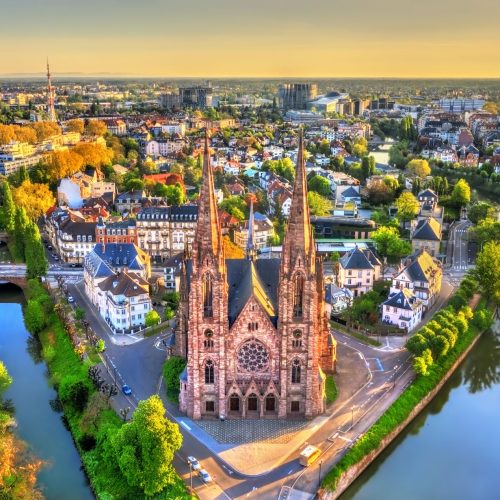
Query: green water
[[38, 424], [451, 451]]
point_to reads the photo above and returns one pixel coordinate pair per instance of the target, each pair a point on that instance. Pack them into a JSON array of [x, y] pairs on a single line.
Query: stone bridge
[[14, 273]]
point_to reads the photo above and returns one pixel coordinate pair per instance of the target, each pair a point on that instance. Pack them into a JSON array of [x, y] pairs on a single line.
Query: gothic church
[[254, 331]]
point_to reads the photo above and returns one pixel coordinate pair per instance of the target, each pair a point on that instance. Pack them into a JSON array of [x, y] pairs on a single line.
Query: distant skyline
[[262, 38]]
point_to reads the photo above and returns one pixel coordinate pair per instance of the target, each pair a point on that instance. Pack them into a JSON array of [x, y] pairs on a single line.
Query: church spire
[[208, 237], [250, 251], [299, 237]]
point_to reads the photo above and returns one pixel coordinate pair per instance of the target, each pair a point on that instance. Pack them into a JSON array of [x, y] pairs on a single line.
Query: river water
[[38, 424], [451, 451]]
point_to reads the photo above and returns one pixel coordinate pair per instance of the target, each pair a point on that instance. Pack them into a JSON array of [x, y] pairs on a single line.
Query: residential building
[[123, 231], [261, 229], [422, 275], [130, 201], [165, 231], [427, 236], [402, 309], [358, 270]]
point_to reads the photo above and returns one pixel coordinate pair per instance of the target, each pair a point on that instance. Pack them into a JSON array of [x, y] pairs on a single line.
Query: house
[[345, 194], [129, 201], [358, 269], [427, 236], [123, 301], [336, 299], [236, 189], [116, 232], [422, 275], [263, 229], [402, 309]]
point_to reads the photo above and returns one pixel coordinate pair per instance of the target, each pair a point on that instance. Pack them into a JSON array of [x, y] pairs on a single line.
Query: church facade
[[254, 331]]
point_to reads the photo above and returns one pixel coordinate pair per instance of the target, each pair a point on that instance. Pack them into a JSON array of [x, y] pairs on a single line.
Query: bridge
[[16, 274]]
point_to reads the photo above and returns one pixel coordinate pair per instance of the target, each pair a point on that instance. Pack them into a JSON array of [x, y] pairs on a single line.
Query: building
[[422, 275], [196, 97], [358, 270], [169, 100], [326, 103], [130, 201], [165, 231], [116, 232], [297, 95], [17, 155], [334, 226], [427, 236], [402, 309], [248, 353], [260, 228], [123, 301], [460, 105]]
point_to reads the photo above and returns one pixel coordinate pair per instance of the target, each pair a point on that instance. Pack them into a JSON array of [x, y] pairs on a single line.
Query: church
[[254, 331]]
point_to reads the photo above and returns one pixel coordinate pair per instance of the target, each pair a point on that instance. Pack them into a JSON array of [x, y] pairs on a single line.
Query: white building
[[358, 269], [402, 309]]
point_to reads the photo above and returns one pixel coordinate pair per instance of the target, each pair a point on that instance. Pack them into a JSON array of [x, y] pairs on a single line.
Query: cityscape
[[237, 275]]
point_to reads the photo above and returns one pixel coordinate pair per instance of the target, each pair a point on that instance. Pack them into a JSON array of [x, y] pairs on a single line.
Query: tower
[[207, 302], [302, 330], [51, 111], [250, 249]]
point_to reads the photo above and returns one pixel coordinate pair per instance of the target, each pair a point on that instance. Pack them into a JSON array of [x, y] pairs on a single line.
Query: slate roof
[[129, 285], [404, 299], [96, 266], [350, 192], [428, 193], [120, 254], [427, 229], [422, 267], [356, 259]]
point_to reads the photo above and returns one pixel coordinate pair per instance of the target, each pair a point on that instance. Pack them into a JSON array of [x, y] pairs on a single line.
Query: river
[[38, 424], [449, 452]]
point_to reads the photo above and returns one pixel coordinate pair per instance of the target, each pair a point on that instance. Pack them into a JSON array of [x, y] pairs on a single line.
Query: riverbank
[[89, 417], [403, 411]]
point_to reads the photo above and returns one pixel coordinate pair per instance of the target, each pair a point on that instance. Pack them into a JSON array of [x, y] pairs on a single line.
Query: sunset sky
[[268, 38]]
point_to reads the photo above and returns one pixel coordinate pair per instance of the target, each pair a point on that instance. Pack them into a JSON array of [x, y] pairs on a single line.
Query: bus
[[308, 455]]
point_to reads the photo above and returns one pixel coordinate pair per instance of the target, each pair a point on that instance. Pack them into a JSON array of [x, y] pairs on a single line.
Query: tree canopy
[[407, 206], [419, 168], [320, 185], [460, 195], [389, 244], [36, 199], [487, 270], [318, 204]]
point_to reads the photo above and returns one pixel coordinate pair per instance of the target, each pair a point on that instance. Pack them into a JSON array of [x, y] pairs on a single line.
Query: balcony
[[353, 285]]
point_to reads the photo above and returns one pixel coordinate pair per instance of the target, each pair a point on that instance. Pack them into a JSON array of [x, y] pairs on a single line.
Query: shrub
[[34, 316], [74, 392], [417, 344], [87, 442], [172, 369], [459, 300], [420, 366], [100, 345], [482, 319]]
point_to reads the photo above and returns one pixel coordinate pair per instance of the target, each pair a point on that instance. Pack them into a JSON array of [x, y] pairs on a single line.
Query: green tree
[[480, 211], [36, 261], [144, 448], [152, 318], [100, 345], [34, 316], [337, 163], [74, 391], [460, 195], [389, 244], [420, 366], [368, 166], [318, 205], [5, 378], [172, 370], [487, 270], [320, 185], [407, 206], [486, 230], [21, 223], [360, 147], [8, 208]]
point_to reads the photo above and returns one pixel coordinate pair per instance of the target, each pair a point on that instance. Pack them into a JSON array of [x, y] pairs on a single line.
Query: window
[[298, 295], [252, 402], [209, 406], [295, 406], [296, 371], [297, 338], [209, 372], [253, 326], [207, 296], [209, 341]]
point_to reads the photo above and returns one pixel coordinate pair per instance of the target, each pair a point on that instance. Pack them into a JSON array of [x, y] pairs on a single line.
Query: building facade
[[358, 270], [254, 331]]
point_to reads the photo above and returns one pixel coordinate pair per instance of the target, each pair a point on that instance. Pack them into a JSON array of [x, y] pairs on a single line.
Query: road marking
[[345, 439], [289, 472], [186, 426], [379, 364]]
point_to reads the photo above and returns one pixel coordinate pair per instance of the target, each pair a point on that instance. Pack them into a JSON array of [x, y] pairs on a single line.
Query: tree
[[100, 345], [380, 192], [320, 185], [21, 223], [93, 154], [419, 168], [36, 199], [368, 166], [487, 270], [231, 250], [8, 208], [6, 134], [34, 316], [407, 206], [360, 147], [284, 168], [318, 205], [96, 127], [389, 244], [480, 211], [76, 125], [172, 370], [74, 391], [335, 259], [5, 379], [60, 164], [236, 206], [337, 163], [144, 448], [45, 130], [152, 318], [460, 195], [486, 230]]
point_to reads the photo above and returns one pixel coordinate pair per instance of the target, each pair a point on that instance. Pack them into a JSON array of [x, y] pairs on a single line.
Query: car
[[49, 247], [205, 476], [72, 265], [71, 299], [195, 465], [126, 390]]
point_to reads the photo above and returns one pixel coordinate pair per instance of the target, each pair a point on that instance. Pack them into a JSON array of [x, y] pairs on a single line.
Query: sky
[[257, 38]]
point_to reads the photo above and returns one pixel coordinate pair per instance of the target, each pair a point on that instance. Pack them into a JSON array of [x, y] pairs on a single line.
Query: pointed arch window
[[298, 295], [207, 296], [209, 340], [209, 372], [296, 371]]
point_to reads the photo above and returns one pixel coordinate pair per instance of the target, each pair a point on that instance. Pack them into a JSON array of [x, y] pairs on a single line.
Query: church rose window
[[253, 356]]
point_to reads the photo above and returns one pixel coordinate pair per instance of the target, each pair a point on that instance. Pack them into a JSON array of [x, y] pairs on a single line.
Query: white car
[[205, 476], [71, 299], [195, 465]]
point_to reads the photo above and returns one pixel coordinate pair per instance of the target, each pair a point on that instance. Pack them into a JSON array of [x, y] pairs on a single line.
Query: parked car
[[195, 465], [205, 476], [126, 390], [71, 299]]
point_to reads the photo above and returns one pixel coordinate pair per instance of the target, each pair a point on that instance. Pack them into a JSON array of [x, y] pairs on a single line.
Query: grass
[[399, 411], [330, 389], [359, 336], [105, 477]]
